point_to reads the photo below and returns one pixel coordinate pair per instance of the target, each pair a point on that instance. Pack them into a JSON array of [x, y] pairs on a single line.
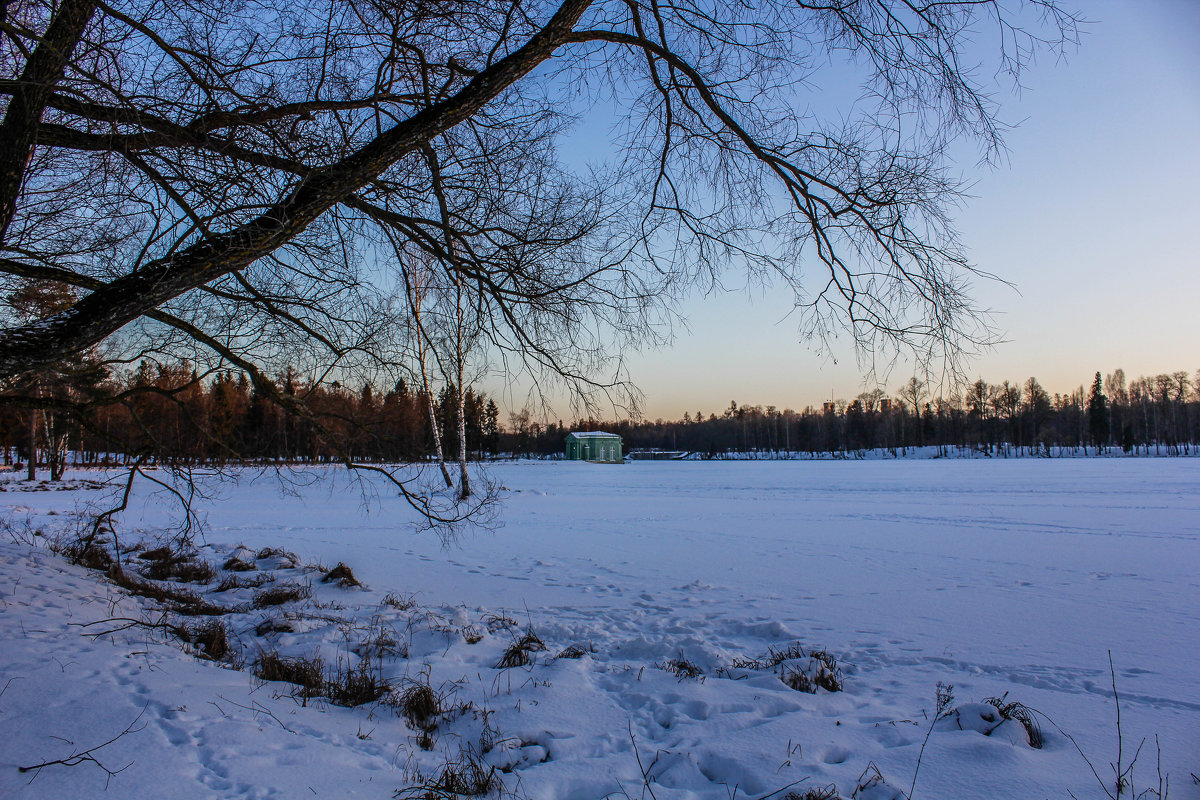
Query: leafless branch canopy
[[261, 182]]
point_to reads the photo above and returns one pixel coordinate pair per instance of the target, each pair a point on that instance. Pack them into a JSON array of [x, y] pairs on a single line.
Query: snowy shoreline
[[993, 576]]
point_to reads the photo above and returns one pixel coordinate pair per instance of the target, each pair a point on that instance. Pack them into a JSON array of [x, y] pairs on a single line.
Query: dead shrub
[[517, 654], [307, 673], [157, 554], [1022, 714], [342, 575], [89, 555], [355, 686], [471, 634], [278, 595]]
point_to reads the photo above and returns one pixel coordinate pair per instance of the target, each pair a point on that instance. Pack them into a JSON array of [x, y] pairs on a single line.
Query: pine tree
[[1098, 415]]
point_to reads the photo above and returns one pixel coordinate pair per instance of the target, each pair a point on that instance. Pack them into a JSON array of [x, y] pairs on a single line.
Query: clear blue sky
[[1093, 218]]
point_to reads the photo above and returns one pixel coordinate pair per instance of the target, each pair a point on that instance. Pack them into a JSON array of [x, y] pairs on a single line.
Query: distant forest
[[169, 414]]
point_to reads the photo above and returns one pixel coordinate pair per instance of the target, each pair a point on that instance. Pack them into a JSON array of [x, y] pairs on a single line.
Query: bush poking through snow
[[278, 595], [157, 554], [342, 575], [820, 672], [1022, 714], [89, 555], [517, 654], [307, 673]]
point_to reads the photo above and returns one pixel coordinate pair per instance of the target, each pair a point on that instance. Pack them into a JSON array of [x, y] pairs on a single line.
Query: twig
[[258, 709], [88, 755], [943, 698], [644, 770]]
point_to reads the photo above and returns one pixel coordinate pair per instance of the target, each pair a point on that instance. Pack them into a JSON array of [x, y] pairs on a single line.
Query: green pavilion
[[593, 446]]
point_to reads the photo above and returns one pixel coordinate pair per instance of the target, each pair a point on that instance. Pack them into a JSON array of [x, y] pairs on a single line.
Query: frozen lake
[[994, 575]]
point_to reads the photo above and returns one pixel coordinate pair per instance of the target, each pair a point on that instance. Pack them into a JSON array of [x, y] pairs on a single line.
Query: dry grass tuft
[[157, 554], [235, 564], [468, 776], [183, 567], [278, 595], [499, 622], [89, 555], [307, 673], [399, 603], [576, 651], [286, 556], [182, 601], [1022, 714], [272, 625], [821, 672], [342, 575], [518, 653], [212, 640], [355, 686], [815, 793], [420, 706], [237, 582], [681, 668]]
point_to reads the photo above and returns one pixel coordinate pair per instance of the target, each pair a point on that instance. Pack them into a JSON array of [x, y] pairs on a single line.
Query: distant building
[[885, 404], [829, 407], [593, 446]]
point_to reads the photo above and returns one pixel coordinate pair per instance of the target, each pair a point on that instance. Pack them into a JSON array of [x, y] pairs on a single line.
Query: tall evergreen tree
[[1098, 415]]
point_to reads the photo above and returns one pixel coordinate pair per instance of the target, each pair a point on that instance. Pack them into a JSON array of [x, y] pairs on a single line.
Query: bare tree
[[222, 182]]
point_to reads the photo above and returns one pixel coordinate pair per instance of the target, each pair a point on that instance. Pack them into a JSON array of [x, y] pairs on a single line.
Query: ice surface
[[1011, 576]]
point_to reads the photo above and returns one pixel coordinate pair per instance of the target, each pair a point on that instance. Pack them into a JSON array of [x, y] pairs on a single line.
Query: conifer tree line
[[170, 414], [1157, 415]]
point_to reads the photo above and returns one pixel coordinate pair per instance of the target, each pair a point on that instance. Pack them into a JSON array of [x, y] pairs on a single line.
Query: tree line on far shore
[[1157, 415], [168, 414]]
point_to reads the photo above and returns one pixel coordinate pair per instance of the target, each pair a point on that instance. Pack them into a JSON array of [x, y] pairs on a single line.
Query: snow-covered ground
[[993, 576]]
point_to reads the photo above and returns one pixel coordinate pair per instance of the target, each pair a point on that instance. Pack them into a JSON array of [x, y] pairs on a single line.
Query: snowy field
[[674, 582]]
